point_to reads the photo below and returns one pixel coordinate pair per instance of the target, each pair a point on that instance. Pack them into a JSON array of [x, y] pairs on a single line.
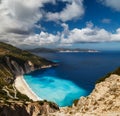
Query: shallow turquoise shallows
[[75, 76], [47, 86]]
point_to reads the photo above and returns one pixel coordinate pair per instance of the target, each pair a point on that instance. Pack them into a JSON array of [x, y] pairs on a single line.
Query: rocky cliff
[[17, 61], [103, 101], [20, 108], [14, 62]]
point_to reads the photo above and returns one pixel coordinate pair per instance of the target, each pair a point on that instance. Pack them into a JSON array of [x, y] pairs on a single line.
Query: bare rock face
[[15, 62], [105, 98], [13, 110], [28, 109], [35, 109], [103, 101], [19, 68]]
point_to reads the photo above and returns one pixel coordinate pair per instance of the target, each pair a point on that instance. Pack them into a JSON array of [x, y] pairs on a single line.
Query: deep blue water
[[74, 77]]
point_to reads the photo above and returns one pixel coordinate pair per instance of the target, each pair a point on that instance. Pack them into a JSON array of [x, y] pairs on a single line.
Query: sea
[[74, 77]]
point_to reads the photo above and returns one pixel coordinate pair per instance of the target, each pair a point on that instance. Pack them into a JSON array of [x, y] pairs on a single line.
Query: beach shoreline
[[24, 88]]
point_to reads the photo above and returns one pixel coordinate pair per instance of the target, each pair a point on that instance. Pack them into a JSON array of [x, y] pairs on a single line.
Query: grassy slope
[[20, 56], [9, 50]]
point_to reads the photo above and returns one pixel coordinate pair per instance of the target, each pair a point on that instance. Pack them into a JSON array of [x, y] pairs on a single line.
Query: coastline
[[24, 88]]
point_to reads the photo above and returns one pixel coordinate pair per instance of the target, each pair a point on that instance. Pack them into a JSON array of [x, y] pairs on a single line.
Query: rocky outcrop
[[103, 101], [34, 109], [27, 109], [21, 67], [15, 62]]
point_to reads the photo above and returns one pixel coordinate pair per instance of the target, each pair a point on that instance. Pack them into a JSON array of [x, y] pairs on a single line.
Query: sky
[[93, 24]]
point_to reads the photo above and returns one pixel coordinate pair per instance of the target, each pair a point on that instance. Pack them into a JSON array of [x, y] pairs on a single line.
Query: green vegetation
[[117, 72], [12, 59], [22, 97], [20, 55]]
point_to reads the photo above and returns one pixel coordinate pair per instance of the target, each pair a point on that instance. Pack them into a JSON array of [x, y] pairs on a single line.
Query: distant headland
[[61, 50]]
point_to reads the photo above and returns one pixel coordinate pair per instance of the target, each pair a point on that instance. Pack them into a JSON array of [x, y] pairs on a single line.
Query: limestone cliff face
[[19, 68], [15, 62], [27, 109], [103, 101]]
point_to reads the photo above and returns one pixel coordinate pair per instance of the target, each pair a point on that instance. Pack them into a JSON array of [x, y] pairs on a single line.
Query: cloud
[[74, 9], [43, 39], [89, 24], [20, 14], [19, 17], [87, 34], [116, 36], [114, 4], [90, 33], [67, 37], [65, 32], [106, 21]]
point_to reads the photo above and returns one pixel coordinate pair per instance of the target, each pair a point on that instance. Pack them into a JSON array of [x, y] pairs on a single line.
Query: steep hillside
[[103, 101], [14, 62]]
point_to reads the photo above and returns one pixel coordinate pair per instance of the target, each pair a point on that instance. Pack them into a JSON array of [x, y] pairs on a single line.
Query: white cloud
[[74, 9], [89, 24], [115, 4], [90, 33], [106, 21], [66, 38], [18, 18], [116, 36], [65, 32], [87, 34], [20, 14], [43, 39]]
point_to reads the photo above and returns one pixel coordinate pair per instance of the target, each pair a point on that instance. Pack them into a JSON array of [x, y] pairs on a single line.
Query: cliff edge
[[15, 62], [103, 101]]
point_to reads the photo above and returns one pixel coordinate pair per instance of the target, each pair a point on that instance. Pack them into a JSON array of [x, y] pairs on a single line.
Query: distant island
[[62, 50]]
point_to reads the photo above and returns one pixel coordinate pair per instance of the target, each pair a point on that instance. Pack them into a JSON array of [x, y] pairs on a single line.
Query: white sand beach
[[23, 87]]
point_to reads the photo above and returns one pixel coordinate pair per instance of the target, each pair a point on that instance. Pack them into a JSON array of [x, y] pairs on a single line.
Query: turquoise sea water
[[74, 77], [48, 86]]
